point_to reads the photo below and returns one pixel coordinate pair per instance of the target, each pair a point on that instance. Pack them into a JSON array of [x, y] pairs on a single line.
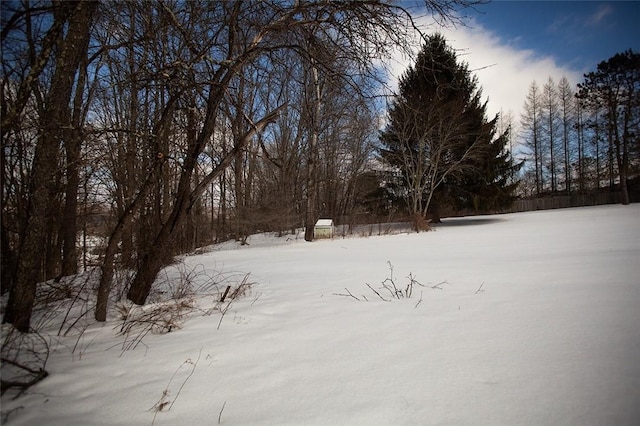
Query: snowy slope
[[538, 323]]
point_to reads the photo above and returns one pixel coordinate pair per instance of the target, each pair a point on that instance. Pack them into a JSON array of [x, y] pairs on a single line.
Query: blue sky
[[512, 43], [577, 34]]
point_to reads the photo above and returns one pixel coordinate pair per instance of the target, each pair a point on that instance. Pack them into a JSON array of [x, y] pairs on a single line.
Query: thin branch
[[419, 301], [349, 294], [378, 294], [439, 285], [220, 413], [195, 364]]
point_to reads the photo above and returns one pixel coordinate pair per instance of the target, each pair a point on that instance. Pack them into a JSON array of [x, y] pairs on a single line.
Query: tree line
[[155, 127], [586, 139]]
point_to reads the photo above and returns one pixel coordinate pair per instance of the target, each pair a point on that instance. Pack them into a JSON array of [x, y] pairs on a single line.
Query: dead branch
[[419, 301], [220, 413], [378, 294], [24, 358], [224, 296], [349, 294], [5, 385], [439, 285]]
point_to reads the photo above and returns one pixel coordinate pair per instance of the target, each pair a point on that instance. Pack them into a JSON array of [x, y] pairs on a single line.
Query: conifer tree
[[614, 88], [439, 141]]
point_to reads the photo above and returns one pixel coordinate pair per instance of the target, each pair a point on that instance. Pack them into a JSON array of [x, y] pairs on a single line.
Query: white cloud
[[504, 71], [602, 12]]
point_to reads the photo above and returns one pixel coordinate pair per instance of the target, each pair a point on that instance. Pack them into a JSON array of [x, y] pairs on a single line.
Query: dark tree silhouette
[[439, 140]]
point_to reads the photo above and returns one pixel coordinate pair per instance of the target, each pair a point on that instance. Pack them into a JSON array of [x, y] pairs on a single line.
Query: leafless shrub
[[23, 360], [64, 302], [394, 289], [230, 295], [165, 403], [61, 307], [158, 318], [175, 300], [397, 291], [122, 278], [420, 223]]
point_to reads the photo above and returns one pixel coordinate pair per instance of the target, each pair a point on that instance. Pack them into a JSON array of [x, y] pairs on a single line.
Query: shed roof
[[324, 222]]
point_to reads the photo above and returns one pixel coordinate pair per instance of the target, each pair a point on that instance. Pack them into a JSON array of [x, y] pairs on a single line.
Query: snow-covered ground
[[538, 323]]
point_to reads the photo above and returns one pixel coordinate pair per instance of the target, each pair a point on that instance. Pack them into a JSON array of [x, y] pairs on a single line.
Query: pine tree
[[614, 88], [490, 185], [440, 142]]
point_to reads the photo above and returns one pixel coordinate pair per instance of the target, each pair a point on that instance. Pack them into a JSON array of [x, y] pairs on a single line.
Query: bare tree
[[550, 127], [580, 140], [160, 111], [265, 26], [531, 130], [56, 117], [566, 113]]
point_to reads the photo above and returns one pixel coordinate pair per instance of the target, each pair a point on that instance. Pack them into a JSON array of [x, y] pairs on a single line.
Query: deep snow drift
[[538, 323]]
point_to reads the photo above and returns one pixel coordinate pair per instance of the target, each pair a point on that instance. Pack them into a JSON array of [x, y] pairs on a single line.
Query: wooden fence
[[566, 201]]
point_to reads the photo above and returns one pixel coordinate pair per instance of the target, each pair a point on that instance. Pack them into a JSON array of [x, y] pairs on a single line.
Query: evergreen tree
[[439, 142], [490, 183], [614, 88]]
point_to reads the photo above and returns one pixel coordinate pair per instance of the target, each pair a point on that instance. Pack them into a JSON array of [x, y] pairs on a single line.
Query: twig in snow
[[221, 410], [163, 402], [419, 301], [223, 312], [23, 359], [224, 296], [395, 293], [396, 290], [241, 290], [439, 285], [256, 299], [480, 288], [194, 364], [379, 295], [349, 294]]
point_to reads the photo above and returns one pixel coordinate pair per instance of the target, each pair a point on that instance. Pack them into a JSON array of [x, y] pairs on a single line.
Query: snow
[[534, 319], [324, 223]]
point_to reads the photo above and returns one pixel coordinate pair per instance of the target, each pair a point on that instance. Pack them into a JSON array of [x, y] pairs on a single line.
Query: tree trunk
[[156, 256], [43, 171], [241, 231], [310, 216], [106, 276], [622, 159], [73, 146], [625, 191], [69, 229], [435, 213], [7, 260], [151, 264]]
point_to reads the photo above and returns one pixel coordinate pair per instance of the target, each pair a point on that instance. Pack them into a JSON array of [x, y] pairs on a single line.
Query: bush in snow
[[390, 289]]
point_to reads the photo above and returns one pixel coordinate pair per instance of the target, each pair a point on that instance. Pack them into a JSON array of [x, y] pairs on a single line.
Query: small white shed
[[323, 229]]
